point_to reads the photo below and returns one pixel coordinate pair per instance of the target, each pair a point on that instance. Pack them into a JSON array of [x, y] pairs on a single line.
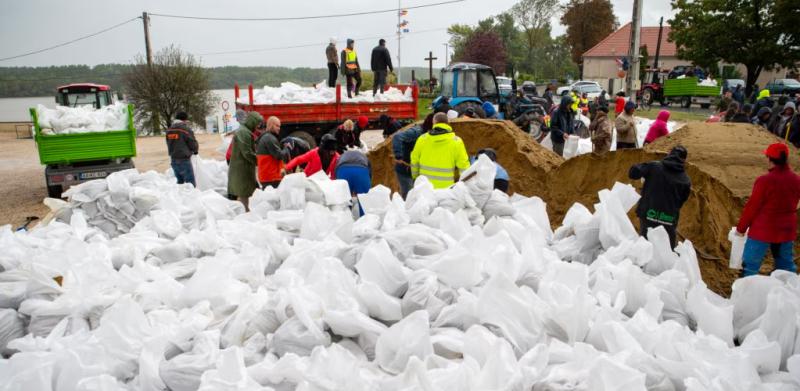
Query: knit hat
[[630, 106], [363, 121], [328, 142]]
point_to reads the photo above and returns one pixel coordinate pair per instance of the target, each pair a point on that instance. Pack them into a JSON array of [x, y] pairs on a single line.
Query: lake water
[[16, 109]]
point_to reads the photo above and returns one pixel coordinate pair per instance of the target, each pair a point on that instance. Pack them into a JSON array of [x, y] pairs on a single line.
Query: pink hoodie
[[658, 128]]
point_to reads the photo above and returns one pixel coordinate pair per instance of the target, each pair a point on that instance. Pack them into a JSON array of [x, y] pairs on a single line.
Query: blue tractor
[[470, 86]]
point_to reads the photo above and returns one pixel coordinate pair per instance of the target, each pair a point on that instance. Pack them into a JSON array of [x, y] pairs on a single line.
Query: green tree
[[759, 34], [533, 17], [175, 82], [588, 22]]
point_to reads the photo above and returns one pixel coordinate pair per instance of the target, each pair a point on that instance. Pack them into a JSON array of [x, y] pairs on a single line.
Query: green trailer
[[70, 159], [688, 91]]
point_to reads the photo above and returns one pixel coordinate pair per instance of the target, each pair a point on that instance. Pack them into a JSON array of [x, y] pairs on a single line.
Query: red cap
[[774, 150], [363, 121]]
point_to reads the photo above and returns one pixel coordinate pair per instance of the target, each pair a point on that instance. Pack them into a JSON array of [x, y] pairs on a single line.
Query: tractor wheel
[[305, 136], [462, 107], [686, 102], [648, 96]]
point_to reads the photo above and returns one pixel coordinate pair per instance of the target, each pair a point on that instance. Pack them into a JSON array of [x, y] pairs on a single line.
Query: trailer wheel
[[305, 136], [705, 105], [686, 102], [55, 191], [648, 96]]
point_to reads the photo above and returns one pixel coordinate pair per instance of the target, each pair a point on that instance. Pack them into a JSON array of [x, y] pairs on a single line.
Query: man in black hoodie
[[181, 145], [666, 189], [561, 124], [381, 60]]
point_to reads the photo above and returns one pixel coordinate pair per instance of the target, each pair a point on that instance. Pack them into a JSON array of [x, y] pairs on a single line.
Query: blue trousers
[[405, 181], [755, 250], [184, 172], [358, 178]]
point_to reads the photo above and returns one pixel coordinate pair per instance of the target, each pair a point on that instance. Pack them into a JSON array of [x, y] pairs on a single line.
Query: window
[[447, 84], [467, 83], [103, 99], [81, 99], [488, 86]]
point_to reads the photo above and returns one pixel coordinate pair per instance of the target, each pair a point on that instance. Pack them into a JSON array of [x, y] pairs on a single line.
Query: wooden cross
[[430, 59]]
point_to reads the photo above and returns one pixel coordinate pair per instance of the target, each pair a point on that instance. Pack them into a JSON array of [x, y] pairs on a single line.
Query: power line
[[72, 41], [310, 17], [305, 45]]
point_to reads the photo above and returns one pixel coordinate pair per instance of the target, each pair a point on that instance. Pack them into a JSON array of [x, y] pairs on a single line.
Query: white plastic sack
[[737, 249], [405, 339], [571, 146]]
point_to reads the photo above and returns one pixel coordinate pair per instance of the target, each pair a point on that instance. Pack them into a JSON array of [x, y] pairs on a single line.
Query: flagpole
[[399, 37]]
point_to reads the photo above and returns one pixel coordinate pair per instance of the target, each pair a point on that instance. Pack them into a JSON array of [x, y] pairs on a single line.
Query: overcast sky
[[28, 25]]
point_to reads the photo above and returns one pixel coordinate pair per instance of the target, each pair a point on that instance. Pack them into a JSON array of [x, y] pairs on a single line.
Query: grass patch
[[424, 107]]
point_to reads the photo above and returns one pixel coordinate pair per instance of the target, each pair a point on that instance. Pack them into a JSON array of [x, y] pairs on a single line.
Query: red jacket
[[619, 105], [658, 128], [313, 163], [771, 211]]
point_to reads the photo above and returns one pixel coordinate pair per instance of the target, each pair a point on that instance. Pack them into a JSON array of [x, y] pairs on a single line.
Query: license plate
[[93, 175]]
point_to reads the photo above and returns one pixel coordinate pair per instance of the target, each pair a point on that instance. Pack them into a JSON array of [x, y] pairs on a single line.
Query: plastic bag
[[294, 337], [11, 327], [182, 372], [376, 201], [737, 249], [571, 146], [405, 339], [713, 314], [378, 265]]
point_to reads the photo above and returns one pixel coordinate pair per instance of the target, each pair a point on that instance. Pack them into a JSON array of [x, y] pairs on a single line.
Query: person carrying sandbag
[[666, 188], [770, 216], [271, 156], [626, 127]]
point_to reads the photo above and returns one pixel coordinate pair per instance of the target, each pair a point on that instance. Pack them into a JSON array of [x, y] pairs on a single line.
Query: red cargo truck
[[309, 121]]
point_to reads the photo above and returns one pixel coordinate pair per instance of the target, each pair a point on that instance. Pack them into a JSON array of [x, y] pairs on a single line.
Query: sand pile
[[527, 162], [724, 161]]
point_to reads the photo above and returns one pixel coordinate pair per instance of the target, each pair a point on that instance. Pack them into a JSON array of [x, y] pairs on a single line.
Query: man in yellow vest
[[350, 68], [438, 153]]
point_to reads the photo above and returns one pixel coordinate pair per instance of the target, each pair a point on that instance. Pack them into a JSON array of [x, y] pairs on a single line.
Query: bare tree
[[175, 82], [533, 17]]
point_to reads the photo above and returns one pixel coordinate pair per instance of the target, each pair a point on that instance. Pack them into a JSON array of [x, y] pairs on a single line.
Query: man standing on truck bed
[[381, 60], [181, 145], [350, 68], [333, 65]]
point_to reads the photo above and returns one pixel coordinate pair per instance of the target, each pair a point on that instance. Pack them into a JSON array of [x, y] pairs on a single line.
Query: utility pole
[[446, 53], [430, 69], [633, 53], [658, 51], [399, 37], [148, 51]]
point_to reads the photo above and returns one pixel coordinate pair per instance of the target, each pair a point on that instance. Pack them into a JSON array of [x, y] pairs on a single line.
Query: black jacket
[[666, 189], [267, 144], [741, 118], [561, 122], [181, 143], [345, 139], [381, 59]]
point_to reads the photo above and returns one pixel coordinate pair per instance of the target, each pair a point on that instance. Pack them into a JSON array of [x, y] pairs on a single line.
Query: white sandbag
[[713, 314], [737, 249], [764, 355], [571, 146], [294, 337], [11, 327], [378, 265], [615, 227], [230, 374], [376, 201], [380, 305], [405, 339], [182, 373]]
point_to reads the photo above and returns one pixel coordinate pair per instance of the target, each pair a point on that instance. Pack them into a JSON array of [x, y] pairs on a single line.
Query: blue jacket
[[402, 145]]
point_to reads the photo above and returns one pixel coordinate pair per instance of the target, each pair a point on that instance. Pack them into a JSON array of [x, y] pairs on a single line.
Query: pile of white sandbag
[[209, 174], [456, 289], [289, 92], [82, 119], [576, 146]]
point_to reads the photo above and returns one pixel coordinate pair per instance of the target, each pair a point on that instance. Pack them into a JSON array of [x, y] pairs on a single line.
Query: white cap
[[333, 40], [452, 114]]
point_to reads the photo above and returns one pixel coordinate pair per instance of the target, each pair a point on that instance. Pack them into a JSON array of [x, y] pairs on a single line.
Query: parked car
[[504, 85], [591, 88], [731, 84], [783, 87]]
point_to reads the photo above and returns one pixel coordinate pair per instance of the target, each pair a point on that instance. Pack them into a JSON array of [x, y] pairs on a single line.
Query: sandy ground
[[22, 177]]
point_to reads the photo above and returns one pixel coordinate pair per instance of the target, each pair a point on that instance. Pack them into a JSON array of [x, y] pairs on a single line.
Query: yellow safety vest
[[437, 156], [351, 59], [574, 101]]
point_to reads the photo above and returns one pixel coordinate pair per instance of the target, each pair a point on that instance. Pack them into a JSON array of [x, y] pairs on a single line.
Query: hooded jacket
[[600, 131], [381, 59], [626, 128], [437, 154], [313, 162], [771, 210], [561, 122], [782, 126], [270, 157], [658, 128], [757, 120], [330, 54], [666, 189], [763, 100], [181, 143], [242, 170]]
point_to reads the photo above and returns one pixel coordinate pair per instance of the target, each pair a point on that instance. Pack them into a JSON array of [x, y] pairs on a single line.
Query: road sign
[[225, 105]]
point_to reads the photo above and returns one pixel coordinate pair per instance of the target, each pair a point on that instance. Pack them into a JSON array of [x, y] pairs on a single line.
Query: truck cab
[[467, 85], [84, 94]]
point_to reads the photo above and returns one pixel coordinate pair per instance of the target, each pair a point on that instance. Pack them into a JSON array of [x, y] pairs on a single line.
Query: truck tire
[[686, 102], [55, 191], [705, 105], [462, 107], [648, 96], [305, 136]]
